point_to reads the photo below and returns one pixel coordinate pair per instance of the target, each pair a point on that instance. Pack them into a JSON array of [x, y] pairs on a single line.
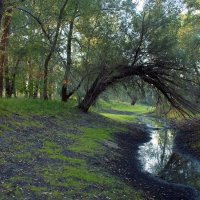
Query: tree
[[151, 55], [4, 43], [95, 45]]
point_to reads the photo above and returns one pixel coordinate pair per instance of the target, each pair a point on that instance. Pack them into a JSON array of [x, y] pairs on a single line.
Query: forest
[[99, 99], [60, 49]]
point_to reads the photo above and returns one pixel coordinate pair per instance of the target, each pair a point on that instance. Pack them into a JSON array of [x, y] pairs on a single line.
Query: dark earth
[[128, 167], [121, 158]]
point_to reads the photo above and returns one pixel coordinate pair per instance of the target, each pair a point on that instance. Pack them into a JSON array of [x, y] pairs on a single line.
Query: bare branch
[[37, 19]]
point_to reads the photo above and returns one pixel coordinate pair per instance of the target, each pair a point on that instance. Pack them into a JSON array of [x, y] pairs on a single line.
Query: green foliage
[[105, 34]]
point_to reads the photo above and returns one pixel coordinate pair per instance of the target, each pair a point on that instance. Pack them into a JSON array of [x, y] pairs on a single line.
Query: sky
[[140, 4]]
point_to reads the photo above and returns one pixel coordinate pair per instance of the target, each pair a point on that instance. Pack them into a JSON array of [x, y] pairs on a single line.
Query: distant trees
[[93, 45]]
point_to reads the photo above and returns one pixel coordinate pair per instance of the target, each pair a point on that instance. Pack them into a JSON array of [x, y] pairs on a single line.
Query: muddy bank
[[128, 168]]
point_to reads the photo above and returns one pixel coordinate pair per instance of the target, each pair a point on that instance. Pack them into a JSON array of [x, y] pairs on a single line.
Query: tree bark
[[12, 81], [4, 43], [7, 78], [104, 80], [36, 89], [30, 79], [46, 67], [64, 94], [1, 9], [98, 86], [52, 49]]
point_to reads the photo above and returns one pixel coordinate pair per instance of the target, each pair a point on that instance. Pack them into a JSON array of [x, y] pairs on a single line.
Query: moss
[[5, 127], [46, 193], [120, 118], [24, 156], [81, 181], [2, 161], [28, 123], [54, 151], [90, 141], [11, 191]]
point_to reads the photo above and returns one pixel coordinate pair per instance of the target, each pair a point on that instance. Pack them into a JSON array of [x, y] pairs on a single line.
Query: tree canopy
[[96, 45]]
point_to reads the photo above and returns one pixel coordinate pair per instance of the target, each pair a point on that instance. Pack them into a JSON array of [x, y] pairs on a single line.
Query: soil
[[121, 158]]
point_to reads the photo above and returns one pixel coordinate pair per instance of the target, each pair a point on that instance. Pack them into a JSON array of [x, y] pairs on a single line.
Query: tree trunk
[[46, 67], [35, 94], [1, 9], [101, 83], [13, 88], [64, 91], [3, 44], [52, 49], [64, 94], [7, 78], [92, 94], [30, 79], [10, 81], [156, 74]]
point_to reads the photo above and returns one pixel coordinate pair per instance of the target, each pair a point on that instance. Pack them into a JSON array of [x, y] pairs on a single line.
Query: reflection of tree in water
[[156, 153], [157, 158], [179, 170]]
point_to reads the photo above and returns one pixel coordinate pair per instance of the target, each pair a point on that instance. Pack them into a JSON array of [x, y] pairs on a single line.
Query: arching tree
[[147, 48]]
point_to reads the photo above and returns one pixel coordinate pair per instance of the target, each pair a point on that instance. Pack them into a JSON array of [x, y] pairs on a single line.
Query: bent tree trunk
[[102, 82], [95, 90], [157, 74]]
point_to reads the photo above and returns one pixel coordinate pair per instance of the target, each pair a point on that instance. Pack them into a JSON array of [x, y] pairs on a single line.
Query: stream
[[159, 157]]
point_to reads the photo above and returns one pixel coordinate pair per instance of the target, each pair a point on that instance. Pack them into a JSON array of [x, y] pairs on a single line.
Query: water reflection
[[158, 158], [155, 154], [180, 170]]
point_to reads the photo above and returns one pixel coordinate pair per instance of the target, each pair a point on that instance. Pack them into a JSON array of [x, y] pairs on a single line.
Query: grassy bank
[[122, 111], [50, 150]]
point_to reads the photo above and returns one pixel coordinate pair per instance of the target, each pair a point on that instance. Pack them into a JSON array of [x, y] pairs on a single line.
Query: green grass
[[54, 151], [89, 142], [76, 175], [124, 106], [46, 149], [82, 178], [133, 111], [120, 118], [34, 106]]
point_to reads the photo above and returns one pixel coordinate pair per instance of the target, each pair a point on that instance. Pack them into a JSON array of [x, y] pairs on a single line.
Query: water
[[159, 158]]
